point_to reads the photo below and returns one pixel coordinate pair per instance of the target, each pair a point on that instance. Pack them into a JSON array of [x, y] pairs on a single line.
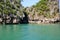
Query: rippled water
[[30, 32]]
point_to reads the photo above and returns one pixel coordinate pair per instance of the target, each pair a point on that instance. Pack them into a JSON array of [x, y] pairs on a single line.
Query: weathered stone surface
[[34, 16], [1, 21]]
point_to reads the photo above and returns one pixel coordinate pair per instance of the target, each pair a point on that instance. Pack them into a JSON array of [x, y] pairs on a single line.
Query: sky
[[59, 2], [28, 3]]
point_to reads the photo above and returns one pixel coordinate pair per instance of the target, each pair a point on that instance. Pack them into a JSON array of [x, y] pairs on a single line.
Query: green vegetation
[[43, 8], [7, 7]]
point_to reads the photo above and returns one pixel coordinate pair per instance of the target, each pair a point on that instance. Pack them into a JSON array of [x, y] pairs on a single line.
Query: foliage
[[43, 8], [7, 7]]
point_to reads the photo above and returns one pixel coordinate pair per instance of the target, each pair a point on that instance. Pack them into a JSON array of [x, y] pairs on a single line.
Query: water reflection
[[30, 32], [13, 28], [15, 31]]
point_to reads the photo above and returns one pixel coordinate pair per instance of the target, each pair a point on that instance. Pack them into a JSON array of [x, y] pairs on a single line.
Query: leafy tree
[[7, 7]]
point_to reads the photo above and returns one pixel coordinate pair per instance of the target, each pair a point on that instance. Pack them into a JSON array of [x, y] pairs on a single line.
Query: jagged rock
[[1, 21], [16, 21]]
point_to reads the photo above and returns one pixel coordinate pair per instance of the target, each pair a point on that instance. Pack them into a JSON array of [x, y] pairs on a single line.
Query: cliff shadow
[[25, 18]]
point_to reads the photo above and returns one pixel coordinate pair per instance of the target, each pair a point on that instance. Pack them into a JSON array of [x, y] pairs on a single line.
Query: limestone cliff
[[10, 11], [44, 10]]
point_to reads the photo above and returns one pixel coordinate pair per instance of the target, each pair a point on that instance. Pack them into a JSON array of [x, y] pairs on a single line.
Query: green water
[[30, 32]]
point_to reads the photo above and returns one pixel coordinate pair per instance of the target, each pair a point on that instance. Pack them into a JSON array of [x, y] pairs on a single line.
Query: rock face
[[1, 20], [11, 12], [53, 6], [35, 17]]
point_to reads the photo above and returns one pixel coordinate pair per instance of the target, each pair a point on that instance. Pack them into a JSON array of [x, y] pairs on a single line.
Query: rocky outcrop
[[13, 13], [40, 15], [1, 20], [13, 19], [53, 6], [10, 11]]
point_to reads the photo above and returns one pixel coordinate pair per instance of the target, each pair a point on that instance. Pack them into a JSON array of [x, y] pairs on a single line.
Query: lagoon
[[30, 32]]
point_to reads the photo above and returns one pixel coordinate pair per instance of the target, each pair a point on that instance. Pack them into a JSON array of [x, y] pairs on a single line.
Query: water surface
[[30, 32]]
